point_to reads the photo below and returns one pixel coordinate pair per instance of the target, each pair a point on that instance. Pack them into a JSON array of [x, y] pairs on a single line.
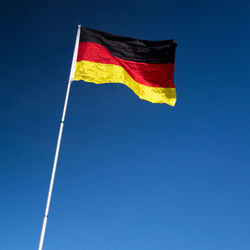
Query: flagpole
[[71, 76]]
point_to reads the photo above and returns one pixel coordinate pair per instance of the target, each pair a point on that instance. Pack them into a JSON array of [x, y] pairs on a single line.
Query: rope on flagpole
[[71, 76]]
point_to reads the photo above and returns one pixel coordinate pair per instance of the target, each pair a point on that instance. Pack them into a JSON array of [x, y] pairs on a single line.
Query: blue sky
[[131, 175]]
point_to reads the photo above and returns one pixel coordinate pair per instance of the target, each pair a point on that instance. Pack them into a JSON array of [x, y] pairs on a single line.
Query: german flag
[[146, 67]]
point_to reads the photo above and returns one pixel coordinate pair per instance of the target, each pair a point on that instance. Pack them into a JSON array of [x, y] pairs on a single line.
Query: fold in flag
[[146, 67]]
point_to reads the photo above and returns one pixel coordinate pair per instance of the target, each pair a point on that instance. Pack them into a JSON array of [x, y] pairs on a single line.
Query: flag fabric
[[146, 67]]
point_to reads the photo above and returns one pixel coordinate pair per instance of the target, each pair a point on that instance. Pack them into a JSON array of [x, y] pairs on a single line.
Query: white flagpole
[[71, 76]]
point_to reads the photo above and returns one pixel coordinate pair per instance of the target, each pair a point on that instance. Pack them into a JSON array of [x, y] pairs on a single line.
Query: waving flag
[[146, 67]]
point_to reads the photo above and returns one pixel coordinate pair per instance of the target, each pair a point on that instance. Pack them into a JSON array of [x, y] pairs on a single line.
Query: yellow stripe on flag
[[100, 73]]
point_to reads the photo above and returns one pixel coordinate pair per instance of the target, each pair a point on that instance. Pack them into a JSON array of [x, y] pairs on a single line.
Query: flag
[[146, 67]]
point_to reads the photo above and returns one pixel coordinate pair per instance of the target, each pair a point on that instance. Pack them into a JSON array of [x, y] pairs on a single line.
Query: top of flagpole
[[72, 71]]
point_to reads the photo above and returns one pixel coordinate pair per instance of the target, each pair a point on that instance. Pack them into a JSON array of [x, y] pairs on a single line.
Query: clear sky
[[131, 175]]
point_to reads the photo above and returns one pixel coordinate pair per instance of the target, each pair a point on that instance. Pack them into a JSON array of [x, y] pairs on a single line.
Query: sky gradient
[[131, 175]]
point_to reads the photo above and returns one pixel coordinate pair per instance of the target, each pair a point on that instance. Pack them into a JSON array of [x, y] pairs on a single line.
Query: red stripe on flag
[[153, 75]]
